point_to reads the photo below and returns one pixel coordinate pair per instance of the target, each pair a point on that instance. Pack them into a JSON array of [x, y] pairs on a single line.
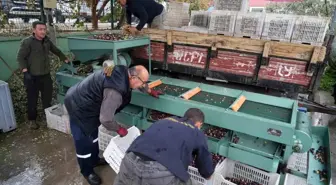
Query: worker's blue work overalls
[[87, 149]]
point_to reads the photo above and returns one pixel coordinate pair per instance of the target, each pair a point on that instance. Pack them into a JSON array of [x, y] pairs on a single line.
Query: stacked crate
[[278, 27], [195, 29], [7, 117], [310, 30], [249, 25], [199, 19], [58, 118], [232, 5], [177, 14], [222, 22]]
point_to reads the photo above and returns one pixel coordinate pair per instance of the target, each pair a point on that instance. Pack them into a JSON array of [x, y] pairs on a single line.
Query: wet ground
[[47, 157], [42, 157]]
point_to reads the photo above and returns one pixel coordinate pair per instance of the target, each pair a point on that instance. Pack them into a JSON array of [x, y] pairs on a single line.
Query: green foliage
[[328, 79], [3, 19], [306, 7]]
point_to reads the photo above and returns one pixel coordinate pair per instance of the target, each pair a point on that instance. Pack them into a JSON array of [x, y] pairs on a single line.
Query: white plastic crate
[[298, 162], [104, 137], [278, 27], [310, 30], [177, 14], [118, 146], [194, 29], [232, 169], [222, 22], [249, 24], [232, 5], [57, 119], [294, 180], [196, 176], [7, 117], [200, 18]]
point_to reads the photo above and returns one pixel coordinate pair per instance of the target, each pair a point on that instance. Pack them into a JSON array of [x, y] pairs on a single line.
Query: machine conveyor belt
[[249, 107]]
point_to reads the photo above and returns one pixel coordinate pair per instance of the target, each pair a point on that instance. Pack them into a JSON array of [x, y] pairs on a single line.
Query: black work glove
[[27, 76]]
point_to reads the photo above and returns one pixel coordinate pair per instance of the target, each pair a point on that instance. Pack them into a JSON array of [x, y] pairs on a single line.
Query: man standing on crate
[[162, 154], [147, 11], [34, 61], [95, 101]]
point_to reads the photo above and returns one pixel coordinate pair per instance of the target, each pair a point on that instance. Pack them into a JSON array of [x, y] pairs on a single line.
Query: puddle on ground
[[31, 175]]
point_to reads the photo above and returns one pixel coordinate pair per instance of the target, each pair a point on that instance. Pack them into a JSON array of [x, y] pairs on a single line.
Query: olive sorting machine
[[263, 131]]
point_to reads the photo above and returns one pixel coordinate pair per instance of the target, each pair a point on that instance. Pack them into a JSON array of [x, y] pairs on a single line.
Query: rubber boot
[[93, 179], [33, 125]]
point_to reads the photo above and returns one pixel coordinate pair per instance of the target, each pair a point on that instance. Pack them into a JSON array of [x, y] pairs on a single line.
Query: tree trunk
[[102, 7], [94, 15]]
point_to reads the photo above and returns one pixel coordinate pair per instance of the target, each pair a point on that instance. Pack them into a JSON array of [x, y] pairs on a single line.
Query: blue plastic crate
[[7, 117]]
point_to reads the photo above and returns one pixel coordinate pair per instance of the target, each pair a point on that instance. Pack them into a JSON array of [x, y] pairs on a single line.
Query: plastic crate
[[233, 5], [249, 24], [232, 169], [177, 14], [222, 22], [200, 19], [104, 137], [57, 119], [298, 162], [278, 27], [194, 29], [118, 146], [7, 117], [310, 30], [294, 180], [196, 176]]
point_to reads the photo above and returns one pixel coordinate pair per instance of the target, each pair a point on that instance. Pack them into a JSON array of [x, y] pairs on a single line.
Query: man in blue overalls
[[95, 101], [162, 154]]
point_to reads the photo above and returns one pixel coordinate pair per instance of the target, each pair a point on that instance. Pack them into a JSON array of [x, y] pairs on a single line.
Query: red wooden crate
[[188, 56], [234, 63], [157, 50], [285, 70]]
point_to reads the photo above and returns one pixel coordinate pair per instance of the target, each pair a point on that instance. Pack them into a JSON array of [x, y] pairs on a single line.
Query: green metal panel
[[240, 122], [144, 124], [8, 51], [224, 145], [255, 160], [130, 115], [320, 138], [255, 126], [255, 145]]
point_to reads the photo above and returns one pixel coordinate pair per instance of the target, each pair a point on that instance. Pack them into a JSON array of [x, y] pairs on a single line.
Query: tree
[[306, 7]]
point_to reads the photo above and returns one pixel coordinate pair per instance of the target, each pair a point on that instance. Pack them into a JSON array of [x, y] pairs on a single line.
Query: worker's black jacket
[[174, 142], [84, 99]]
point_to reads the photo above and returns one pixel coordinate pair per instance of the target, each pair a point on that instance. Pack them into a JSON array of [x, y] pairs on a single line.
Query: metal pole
[[112, 21], [42, 11]]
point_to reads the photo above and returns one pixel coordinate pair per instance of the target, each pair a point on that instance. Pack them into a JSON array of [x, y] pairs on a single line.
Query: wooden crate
[[188, 56], [157, 52], [286, 71], [234, 63]]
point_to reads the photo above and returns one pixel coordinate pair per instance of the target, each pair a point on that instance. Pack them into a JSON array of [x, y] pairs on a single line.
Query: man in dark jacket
[[162, 154], [95, 101], [34, 61], [147, 11]]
